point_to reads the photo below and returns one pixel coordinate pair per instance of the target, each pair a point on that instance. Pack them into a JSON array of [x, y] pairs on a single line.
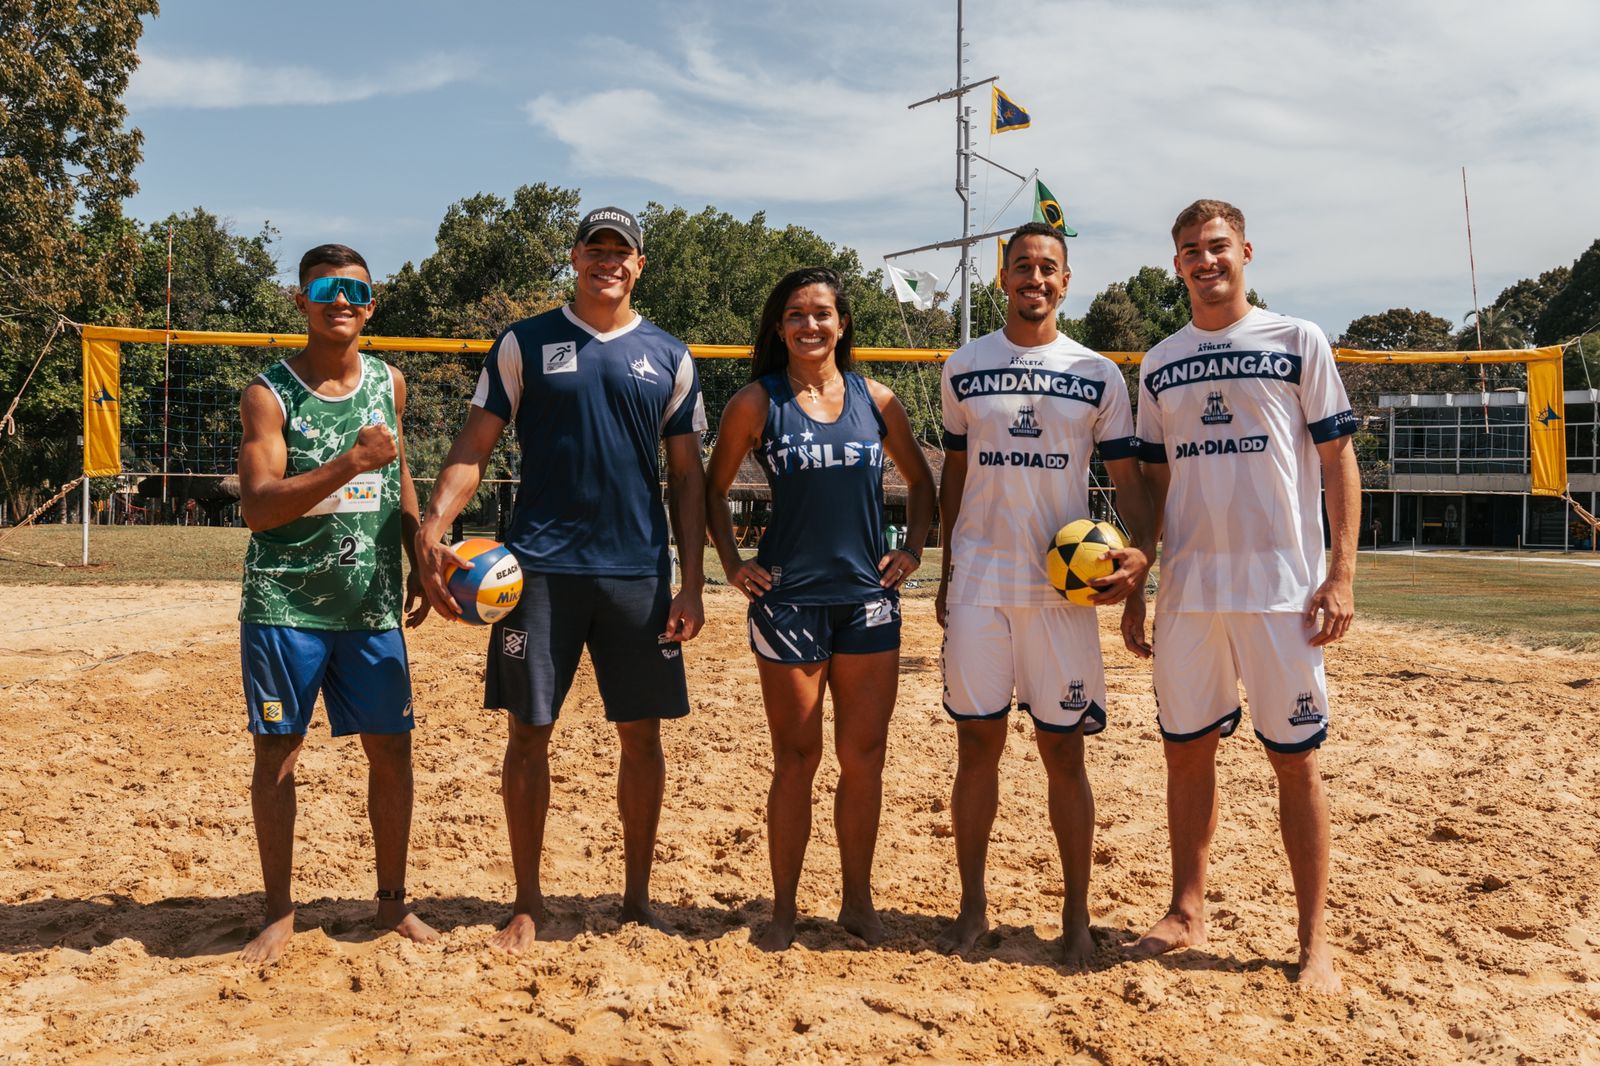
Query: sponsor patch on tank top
[[364, 492]]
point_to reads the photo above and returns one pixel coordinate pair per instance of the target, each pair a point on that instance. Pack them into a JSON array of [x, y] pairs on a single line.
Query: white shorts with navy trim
[[1200, 658], [1049, 656]]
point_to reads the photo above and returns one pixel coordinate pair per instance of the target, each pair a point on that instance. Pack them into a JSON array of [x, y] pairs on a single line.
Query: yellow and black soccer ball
[[1077, 556]]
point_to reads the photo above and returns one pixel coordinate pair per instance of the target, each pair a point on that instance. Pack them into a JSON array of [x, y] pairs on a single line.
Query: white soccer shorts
[[1049, 656], [1200, 658]]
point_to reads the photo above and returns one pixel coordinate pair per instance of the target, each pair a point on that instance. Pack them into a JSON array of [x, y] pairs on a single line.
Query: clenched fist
[[374, 447]]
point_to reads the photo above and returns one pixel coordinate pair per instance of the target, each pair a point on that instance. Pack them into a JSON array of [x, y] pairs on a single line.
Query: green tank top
[[338, 566]]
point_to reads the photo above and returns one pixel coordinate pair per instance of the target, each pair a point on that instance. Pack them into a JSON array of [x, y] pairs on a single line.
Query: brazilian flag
[[1047, 209]]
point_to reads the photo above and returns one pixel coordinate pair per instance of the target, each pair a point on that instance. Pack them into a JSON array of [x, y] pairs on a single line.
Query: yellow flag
[[1547, 423], [102, 408]]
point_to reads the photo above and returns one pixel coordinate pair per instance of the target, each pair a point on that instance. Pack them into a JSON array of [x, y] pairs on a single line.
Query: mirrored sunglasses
[[326, 289]]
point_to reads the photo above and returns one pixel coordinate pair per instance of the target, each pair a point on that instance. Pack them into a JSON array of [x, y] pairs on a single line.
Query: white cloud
[[189, 82], [734, 126], [1340, 128]]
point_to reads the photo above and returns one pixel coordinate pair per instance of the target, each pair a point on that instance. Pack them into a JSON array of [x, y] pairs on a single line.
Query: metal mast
[[964, 156], [964, 173]]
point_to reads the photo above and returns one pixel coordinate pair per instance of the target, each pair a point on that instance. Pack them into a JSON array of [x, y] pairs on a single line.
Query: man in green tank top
[[325, 490]]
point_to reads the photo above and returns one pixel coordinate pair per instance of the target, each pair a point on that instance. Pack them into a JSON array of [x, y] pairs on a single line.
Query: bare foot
[[1317, 973], [270, 942], [1172, 932], [518, 935], [643, 914], [1077, 946], [862, 922], [414, 929], [963, 934], [778, 935]]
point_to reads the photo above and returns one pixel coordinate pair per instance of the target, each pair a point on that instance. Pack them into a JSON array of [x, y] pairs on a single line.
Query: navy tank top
[[825, 537]]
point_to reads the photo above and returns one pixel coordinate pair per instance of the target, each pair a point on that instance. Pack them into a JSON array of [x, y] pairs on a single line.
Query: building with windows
[[1459, 472]]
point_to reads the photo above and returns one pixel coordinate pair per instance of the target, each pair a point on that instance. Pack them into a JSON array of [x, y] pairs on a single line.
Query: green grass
[[122, 555], [1535, 604]]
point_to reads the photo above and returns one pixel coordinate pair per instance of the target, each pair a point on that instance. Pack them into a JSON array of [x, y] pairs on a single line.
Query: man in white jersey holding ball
[[1242, 417], [1024, 409]]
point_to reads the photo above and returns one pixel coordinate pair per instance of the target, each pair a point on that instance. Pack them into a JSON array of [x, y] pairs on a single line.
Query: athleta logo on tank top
[[782, 457]]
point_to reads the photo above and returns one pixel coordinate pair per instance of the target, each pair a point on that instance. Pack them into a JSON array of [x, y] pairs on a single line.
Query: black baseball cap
[[611, 218]]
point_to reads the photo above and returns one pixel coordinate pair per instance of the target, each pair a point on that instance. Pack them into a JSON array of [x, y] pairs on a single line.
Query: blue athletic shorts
[[534, 650], [362, 674], [802, 633]]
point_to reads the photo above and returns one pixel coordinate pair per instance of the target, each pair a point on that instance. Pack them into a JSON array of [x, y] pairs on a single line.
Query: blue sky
[[1339, 127]]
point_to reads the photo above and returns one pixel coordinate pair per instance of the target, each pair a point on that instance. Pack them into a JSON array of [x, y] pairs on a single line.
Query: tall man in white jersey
[[1024, 408], [594, 390], [1242, 417]]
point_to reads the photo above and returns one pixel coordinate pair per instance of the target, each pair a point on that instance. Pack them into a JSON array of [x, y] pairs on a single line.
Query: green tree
[[1399, 329], [708, 274], [1523, 302], [221, 282], [495, 262], [1162, 300], [1113, 323], [1575, 308], [66, 164], [1396, 330], [1492, 328]]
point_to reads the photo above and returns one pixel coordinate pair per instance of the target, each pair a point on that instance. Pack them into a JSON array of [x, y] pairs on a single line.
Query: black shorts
[[797, 633], [534, 650]]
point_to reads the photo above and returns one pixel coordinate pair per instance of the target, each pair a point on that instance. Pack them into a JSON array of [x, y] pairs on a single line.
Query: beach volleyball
[[487, 592], [1077, 555]]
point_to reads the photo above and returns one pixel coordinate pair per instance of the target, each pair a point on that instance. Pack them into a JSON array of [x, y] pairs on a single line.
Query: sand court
[[1464, 780]]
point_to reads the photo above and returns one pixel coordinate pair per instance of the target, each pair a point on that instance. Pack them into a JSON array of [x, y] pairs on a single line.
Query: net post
[[85, 515]]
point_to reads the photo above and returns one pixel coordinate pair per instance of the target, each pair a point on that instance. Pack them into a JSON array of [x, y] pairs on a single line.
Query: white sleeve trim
[[508, 361], [682, 382]]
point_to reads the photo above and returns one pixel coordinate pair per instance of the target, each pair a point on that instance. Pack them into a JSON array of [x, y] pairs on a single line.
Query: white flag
[[913, 286]]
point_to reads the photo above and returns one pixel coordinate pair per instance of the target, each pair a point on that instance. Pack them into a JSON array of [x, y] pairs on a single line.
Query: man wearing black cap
[[593, 389]]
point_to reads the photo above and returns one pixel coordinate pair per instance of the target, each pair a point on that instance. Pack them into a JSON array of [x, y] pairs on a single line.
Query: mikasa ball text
[[487, 592]]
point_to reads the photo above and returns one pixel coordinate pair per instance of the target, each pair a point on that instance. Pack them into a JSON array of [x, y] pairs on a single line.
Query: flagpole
[[964, 175]]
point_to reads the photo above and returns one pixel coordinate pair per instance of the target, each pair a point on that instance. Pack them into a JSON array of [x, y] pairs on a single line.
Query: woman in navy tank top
[[824, 594]]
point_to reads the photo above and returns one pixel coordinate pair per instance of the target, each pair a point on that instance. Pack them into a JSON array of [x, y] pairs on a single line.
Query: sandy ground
[[1465, 784]]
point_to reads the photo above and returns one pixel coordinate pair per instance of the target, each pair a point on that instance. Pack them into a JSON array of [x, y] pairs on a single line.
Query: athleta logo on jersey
[[1028, 383], [788, 460], [1037, 460], [1226, 446], [1276, 366], [1025, 425], [561, 358], [1216, 412], [642, 369]]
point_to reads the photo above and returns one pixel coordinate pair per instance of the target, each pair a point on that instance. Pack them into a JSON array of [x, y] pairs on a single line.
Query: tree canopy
[[66, 165]]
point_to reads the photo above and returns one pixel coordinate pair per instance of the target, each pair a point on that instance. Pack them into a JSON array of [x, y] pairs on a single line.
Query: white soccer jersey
[[1236, 414], [1028, 419]]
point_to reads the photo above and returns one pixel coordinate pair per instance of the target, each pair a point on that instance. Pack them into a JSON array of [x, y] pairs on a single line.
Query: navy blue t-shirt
[[590, 410], [825, 538]]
